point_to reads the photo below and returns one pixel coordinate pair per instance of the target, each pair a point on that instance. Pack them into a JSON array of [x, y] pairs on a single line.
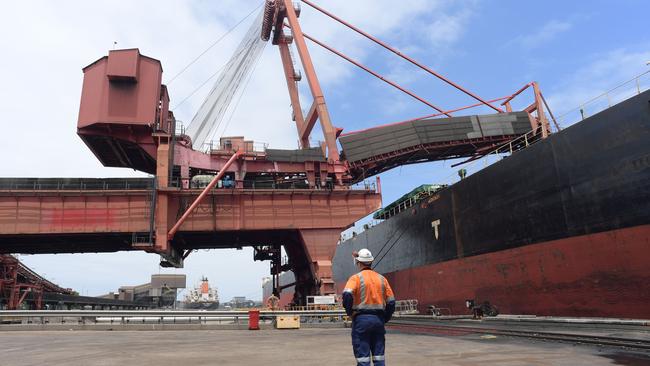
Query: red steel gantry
[[299, 199]]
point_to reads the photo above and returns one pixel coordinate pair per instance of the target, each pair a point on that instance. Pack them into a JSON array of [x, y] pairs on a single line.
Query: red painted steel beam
[[398, 53], [205, 192], [23, 214], [375, 74], [289, 73], [549, 111], [310, 120], [22, 297], [516, 93]]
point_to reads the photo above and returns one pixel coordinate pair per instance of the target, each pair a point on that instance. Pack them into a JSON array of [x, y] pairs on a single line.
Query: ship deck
[[312, 345]]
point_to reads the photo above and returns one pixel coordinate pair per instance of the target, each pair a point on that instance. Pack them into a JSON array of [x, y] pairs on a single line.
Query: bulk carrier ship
[[202, 297], [561, 228]]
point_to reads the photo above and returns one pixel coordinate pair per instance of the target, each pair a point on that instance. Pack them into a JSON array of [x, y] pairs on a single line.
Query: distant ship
[[202, 297]]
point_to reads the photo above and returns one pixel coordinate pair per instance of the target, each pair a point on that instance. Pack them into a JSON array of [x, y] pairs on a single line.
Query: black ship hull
[[559, 228]]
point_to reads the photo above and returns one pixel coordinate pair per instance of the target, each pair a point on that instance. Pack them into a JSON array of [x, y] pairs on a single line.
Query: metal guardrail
[[125, 314], [411, 201], [218, 146], [617, 94], [134, 317], [161, 313], [76, 184], [270, 185]]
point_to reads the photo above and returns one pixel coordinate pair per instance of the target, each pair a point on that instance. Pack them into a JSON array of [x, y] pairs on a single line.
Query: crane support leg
[[329, 132]]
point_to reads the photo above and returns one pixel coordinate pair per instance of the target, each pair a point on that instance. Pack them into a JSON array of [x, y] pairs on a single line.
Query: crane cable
[[239, 98], [212, 45], [216, 104]]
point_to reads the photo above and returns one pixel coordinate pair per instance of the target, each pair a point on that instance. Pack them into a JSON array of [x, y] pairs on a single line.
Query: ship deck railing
[[409, 202], [625, 90]]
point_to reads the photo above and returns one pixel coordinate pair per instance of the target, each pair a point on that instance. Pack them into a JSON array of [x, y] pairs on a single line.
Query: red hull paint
[[598, 275], [286, 298]]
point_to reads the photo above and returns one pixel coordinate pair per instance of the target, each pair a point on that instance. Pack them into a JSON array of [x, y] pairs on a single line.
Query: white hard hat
[[364, 256]]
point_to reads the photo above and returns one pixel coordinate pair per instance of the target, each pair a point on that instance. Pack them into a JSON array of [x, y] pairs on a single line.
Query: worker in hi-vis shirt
[[369, 301]]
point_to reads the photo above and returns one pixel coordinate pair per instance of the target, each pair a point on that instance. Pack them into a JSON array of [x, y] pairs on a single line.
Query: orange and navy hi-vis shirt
[[370, 293]]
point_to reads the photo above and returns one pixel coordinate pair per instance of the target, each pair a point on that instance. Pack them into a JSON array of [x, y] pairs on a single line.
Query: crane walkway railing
[[76, 184]]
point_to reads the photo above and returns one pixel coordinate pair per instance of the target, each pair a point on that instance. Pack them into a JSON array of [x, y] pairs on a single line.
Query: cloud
[[448, 28], [546, 33]]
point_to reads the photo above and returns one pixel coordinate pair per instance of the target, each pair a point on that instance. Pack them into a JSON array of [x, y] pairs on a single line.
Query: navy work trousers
[[368, 339]]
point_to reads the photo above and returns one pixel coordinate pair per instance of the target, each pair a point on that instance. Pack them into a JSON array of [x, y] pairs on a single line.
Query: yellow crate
[[287, 322]]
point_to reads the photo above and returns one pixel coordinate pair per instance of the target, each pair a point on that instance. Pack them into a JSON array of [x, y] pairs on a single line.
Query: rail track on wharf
[[619, 334]]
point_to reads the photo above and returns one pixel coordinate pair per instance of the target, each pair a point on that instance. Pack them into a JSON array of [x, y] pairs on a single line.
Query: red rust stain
[[75, 217]]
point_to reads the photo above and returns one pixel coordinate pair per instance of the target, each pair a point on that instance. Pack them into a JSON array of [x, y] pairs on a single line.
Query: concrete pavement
[[290, 347]]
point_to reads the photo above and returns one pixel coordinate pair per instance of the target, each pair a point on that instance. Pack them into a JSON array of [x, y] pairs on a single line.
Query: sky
[[575, 50]]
